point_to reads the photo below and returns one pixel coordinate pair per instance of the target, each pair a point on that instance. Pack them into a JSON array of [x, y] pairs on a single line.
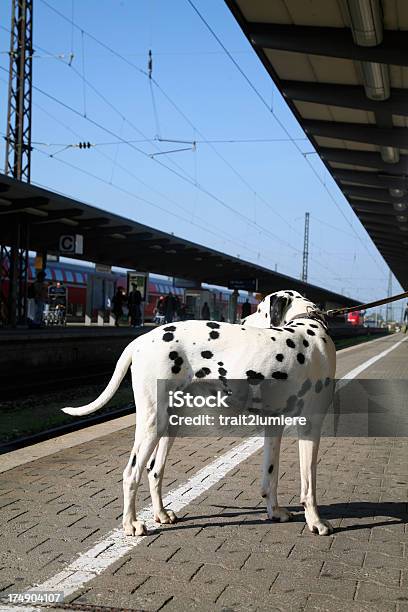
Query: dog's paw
[[165, 517], [135, 528], [140, 528], [276, 513], [320, 527]]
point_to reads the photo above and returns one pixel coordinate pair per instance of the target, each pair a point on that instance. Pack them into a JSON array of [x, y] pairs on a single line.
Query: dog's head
[[287, 304], [279, 308]]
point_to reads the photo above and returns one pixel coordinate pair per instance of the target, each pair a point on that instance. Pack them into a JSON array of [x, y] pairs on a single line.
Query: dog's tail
[[122, 366]]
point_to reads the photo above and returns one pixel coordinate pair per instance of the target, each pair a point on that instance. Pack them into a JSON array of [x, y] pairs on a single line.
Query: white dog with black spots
[[285, 343]]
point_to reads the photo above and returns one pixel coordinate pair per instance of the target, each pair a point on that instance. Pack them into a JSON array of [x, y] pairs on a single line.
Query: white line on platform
[[97, 559]]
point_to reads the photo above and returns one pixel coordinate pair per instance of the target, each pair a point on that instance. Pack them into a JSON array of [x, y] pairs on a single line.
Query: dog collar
[[313, 316]]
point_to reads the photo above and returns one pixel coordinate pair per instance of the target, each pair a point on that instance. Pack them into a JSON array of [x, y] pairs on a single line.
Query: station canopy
[[342, 67], [116, 241]]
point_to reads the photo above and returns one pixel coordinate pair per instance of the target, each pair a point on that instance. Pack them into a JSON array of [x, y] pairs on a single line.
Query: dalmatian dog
[[292, 352]]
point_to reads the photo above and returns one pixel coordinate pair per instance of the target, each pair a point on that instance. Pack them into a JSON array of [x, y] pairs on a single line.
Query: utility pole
[[306, 249], [14, 257], [388, 315]]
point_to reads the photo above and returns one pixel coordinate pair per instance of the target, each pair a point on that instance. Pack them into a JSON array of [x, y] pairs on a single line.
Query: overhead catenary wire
[[198, 186], [271, 111]]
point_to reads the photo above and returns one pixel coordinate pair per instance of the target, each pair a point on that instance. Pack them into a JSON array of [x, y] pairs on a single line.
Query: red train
[[89, 290]]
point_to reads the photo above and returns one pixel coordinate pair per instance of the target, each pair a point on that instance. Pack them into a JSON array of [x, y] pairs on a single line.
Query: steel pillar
[[18, 154]]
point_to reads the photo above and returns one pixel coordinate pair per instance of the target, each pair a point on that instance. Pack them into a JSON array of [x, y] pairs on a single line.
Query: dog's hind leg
[[308, 450], [270, 478], [145, 442], [155, 469]]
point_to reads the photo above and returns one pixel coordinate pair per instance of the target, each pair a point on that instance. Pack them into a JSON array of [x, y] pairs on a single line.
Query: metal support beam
[[331, 42], [371, 179], [346, 96], [366, 159], [358, 132], [371, 193]]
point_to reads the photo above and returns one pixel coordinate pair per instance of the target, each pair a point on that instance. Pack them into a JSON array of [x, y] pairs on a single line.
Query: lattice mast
[[18, 139], [306, 249], [388, 312], [14, 256]]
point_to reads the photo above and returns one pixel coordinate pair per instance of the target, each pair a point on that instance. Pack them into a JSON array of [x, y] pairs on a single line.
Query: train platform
[[60, 513]]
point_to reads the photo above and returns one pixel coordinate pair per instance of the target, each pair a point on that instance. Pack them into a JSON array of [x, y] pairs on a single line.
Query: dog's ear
[[278, 306]]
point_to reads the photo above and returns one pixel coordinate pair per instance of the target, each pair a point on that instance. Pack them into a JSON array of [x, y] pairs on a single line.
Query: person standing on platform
[[205, 312], [134, 305], [170, 306], [405, 326], [246, 309], [40, 295], [117, 303]]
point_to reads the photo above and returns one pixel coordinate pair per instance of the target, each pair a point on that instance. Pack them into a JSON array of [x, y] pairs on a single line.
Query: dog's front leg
[[308, 450], [270, 478]]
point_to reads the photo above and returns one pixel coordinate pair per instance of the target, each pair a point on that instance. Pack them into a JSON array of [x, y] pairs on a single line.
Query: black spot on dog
[[168, 337], [203, 372], [273, 338], [266, 315], [290, 329], [243, 328], [324, 340], [299, 323], [264, 495], [173, 355], [223, 380], [311, 332], [307, 385], [213, 325], [277, 328], [151, 466], [305, 343], [279, 357], [222, 371], [314, 326], [220, 363], [318, 386], [207, 354], [176, 369], [259, 310], [155, 475], [178, 361], [254, 378], [327, 382], [170, 328], [300, 358], [214, 335], [270, 469], [290, 343], [289, 293], [280, 375], [134, 461]]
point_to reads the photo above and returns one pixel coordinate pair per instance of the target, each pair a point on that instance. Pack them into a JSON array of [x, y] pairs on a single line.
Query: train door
[[99, 289], [195, 300]]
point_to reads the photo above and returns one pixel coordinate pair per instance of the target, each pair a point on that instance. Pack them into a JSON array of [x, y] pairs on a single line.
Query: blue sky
[[259, 191]]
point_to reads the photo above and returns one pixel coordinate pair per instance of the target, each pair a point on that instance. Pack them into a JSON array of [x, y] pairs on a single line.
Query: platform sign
[[71, 244], [139, 279], [244, 284]]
